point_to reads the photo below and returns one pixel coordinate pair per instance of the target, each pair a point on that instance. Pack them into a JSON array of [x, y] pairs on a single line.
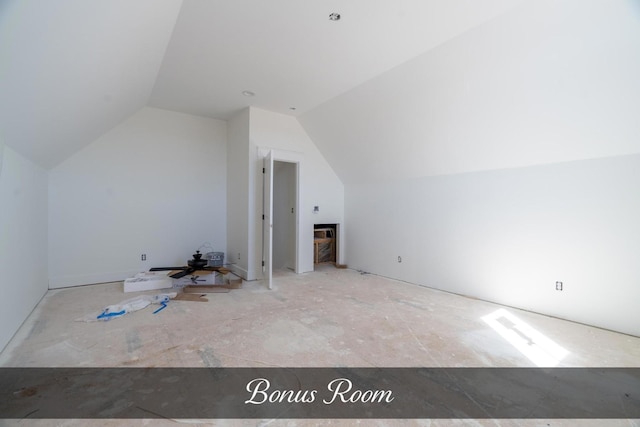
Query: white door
[[267, 223]]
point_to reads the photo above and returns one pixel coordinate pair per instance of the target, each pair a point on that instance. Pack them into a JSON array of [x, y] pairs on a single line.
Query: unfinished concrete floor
[[331, 317]]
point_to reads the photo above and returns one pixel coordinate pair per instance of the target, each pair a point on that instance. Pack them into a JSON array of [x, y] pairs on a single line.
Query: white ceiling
[[549, 81], [72, 69], [290, 54]]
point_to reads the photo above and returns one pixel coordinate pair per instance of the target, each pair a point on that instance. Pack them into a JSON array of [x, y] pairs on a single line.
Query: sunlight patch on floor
[[542, 351]]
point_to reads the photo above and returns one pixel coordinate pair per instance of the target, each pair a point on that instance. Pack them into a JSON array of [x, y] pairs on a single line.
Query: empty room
[[362, 185]]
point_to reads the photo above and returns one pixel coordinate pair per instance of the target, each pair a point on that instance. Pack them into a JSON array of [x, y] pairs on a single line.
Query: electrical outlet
[[143, 257], [238, 256], [558, 286], [399, 258]]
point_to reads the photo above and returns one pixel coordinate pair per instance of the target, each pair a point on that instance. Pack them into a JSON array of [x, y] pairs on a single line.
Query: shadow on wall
[[635, 8]]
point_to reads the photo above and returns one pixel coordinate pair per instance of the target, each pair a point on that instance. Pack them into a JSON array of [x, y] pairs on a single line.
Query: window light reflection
[[542, 351]]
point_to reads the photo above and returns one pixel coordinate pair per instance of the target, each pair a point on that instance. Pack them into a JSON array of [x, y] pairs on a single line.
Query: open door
[[267, 219], [269, 156]]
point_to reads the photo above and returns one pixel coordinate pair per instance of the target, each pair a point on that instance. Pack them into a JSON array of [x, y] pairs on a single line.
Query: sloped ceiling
[[72, 69], [549, 81], [290, 54]]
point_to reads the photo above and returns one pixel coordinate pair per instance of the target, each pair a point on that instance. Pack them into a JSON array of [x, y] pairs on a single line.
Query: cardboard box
[[148, 281], [232, 281], [198, 278]]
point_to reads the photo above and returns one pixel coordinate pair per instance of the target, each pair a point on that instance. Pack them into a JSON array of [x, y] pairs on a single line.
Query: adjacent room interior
[[444, 170]]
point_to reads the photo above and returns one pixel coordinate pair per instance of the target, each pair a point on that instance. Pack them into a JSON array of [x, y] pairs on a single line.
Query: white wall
[[321, 186], [23, 240], [156, 184], [507, 236], [238, 193]]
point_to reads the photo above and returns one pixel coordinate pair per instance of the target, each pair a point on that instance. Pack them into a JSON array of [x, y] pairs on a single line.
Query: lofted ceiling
[[291, 55], [548, 81], [70, 70]]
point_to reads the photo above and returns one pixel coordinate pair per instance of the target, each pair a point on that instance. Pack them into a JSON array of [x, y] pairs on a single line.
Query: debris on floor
[[207, 270], [222, 284], [202, 275], [198, 277], [148, 281], [213, 262], [163, 279], [208, 289], [129, 306], [221, 277], [192, 297]]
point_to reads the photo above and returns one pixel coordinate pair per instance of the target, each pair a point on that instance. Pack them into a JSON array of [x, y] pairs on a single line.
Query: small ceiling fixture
[[292, 108], [248, 93], [334, 16]]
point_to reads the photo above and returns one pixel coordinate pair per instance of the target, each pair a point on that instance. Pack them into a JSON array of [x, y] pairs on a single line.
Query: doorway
[[288, 189], [284, 219]]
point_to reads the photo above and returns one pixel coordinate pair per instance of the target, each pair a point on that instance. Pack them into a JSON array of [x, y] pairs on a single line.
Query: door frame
[[267, 249]]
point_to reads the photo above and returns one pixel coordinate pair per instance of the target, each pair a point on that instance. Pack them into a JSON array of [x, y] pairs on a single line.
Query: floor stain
[[26, 392], [412, 304], [133, 341], [279, 297], [38, 326], [209, 358], [359, 301]]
